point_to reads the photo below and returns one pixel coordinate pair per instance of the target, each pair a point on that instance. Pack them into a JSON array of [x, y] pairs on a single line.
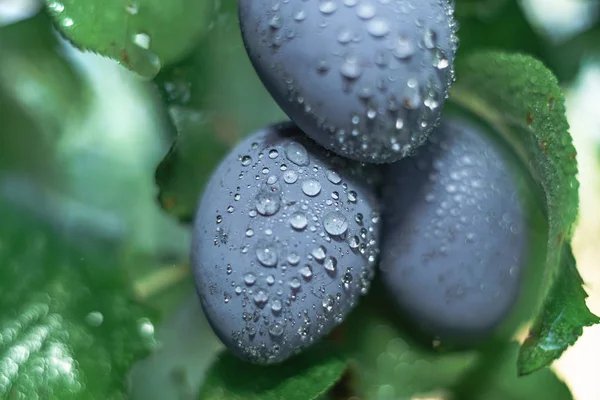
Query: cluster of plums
[[296, 219]]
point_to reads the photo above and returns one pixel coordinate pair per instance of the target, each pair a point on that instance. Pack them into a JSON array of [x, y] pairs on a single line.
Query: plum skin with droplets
[[285, 242], [366, 79], [458, 235]]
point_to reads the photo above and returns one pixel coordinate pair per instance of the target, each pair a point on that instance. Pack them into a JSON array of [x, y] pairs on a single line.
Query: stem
[[160, 280]]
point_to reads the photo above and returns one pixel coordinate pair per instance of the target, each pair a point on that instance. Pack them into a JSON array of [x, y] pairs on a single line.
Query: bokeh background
[[109, 150]]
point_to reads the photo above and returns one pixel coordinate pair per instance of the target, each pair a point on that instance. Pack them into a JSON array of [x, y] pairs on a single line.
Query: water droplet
[[365, 10], [246, 160], [276, 306], [266, 253], [335, 223], [273, 154], [350, 68], [250, 279], [306, 272], [327, 6], [142, 40], [290, 176], [311, 187], [267, 202], [330, 264], [378, 27], [327, 303], [298, 221], [404, 48], [297, 153], [94, 318], [333, 177], [293, 258], [352, 196], [319, 253], [261, 298], [295, 284], [276, 329]]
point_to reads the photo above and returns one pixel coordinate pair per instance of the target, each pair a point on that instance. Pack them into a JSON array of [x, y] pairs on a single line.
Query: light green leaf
[[564, 316], [304, 377], [521, 99], [69, 328], [142, 35]]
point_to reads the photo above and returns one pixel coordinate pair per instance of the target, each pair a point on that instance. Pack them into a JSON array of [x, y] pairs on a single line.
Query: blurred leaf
[[564, 315], [388, 364], [304, 377], [188, 165], [69, 328], [521, 99], [496, 24], [213, 98], [35, 106], [505, 384], [142, 35]]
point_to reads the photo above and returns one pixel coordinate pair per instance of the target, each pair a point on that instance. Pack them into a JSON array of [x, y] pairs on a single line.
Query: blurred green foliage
[[87, 257]]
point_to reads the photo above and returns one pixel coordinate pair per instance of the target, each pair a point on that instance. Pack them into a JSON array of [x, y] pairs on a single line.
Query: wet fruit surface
[[365, 78], [285, 242], [456, 232]]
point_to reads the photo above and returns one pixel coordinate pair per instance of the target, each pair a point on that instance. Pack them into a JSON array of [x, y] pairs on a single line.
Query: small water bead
[[219, 219], [344, 36], [404, 48], [319, 253], [330, 264], [311, 187], [228, 269], [270, 280], [226, 298], [276, 329], [429, 38], [306, 272], [335, 223], [267, 202], [328, 303], [249, 279], [290, 176], [246, 160], [328, 6], [293, 258], [237, 197], [276, 306], [365, 10], [335, 195], [295, 283], [351, 68], [95, 318], [300, 15], [378, 27], [333, 177], [354, 242], [249, 232], [297, 153], [298, 221], [230, 209], [352, 196], [266, 253], [261, 298], [238, 290]]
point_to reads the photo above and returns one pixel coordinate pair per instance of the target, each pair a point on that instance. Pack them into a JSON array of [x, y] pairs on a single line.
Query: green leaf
[[564, 315], [69, 328], [304, 377], [142, 35], [213, 98], [521, 99], [504, 384], [388, 363], [36, 107], [187, 167]]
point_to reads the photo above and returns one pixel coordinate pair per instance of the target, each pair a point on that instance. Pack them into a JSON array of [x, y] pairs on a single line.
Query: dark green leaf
[[142, 35], [214, 98], [564, 316], [521, 99], [69, 328], [305, 377], [484, 24]]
